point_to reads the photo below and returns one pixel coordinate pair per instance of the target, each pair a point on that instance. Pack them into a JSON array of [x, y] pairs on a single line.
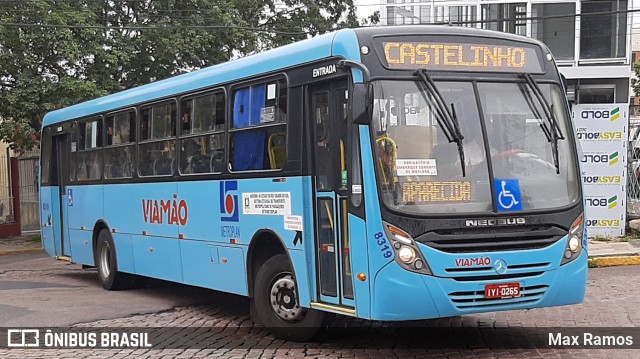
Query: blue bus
[[388, 173]]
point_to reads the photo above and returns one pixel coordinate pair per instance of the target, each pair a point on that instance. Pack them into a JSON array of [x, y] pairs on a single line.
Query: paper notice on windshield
[[417, 167]]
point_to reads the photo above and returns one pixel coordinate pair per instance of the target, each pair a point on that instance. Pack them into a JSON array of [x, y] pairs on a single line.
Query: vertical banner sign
[[602, 130]]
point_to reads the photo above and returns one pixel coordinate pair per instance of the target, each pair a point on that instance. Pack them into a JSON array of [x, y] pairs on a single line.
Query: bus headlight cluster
[[407, 254], [574, 241]]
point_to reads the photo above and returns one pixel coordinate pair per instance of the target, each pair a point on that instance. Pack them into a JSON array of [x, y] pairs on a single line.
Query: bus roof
[[340, 43], [441, 30]]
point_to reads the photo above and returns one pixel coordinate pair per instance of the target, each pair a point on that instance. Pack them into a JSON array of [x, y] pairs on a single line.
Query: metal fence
[[633, 168], [28, 188], [6, 195]]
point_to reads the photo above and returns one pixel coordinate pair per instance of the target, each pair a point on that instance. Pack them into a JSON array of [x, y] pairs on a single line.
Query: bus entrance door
[[332, 246], [61, 196]]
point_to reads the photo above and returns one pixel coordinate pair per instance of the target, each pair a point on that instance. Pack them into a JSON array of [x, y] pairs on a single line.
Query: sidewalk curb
[[22, 250], [614, 261]]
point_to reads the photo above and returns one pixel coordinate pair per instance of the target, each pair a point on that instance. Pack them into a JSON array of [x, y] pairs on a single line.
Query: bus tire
[[107, 264], [275, 302]]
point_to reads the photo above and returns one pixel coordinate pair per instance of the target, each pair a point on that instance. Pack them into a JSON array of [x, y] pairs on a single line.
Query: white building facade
[[590, 39]]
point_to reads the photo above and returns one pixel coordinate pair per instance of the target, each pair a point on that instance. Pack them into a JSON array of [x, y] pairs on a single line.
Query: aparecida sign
[[602, 130]]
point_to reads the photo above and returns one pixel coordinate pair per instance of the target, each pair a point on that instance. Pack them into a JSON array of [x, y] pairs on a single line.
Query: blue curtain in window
[[248, 150], [248, 146], [257, 103], [241, 108]]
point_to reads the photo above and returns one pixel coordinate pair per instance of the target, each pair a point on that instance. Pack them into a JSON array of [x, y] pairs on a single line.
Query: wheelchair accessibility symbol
[[508, 195]]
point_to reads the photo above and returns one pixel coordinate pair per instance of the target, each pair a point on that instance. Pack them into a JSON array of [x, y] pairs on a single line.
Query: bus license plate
[[502, 290]]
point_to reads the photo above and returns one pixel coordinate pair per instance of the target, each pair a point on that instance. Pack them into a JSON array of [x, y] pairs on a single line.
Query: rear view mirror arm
[[366, 75]]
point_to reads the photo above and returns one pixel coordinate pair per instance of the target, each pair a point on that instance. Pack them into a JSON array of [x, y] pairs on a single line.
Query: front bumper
[[402, 295]]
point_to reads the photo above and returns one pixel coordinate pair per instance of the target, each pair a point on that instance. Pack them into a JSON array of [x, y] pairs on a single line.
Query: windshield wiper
[[534, 109], [447, 119], [553, 131]]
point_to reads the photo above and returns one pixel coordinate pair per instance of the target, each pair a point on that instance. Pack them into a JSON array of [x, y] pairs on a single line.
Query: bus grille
[[476, 299], [497, 277], [476, 240], [472, 274]]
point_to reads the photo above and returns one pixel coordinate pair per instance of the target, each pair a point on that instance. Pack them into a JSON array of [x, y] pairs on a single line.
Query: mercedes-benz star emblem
[[500, 266]]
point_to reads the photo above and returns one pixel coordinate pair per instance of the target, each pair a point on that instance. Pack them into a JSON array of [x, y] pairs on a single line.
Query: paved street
[[38, 291]]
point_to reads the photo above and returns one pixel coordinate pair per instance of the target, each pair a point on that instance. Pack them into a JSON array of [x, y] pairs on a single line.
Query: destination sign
[[436, 191], [461, 57]]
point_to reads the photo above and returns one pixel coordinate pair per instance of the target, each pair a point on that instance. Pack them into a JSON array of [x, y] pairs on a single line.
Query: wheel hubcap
[[105, 254], [283, 299]]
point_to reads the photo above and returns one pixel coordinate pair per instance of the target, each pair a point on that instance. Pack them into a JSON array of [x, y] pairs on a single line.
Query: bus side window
[[205, 116], [74, 148], [86, 162], [258, 133], [156, 155], [118, 160]]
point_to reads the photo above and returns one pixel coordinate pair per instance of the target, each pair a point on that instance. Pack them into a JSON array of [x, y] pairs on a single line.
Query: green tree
[[635, 82], [55, 53]]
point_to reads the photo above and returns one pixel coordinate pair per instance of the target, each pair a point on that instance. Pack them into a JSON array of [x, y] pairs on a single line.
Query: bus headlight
[[407, 254], [574, 242]]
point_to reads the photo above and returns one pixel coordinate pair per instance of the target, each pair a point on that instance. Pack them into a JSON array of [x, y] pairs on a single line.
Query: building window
[[457, 15], [596, 94], [407, 15], [603, 36], [557, 33], [505, 17]]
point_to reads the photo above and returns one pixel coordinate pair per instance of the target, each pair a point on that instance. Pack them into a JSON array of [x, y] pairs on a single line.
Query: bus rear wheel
[[276, 302], [107, 264]]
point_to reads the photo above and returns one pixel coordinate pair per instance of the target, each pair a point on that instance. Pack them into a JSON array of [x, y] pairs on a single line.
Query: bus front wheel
[[107, 264], [276, 303]]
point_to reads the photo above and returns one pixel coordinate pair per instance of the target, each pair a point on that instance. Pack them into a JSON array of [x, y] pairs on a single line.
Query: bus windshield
[[419, 169]]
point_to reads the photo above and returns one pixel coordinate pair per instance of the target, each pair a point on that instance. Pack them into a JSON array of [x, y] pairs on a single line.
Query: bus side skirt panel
[[360, 264], [124, 252], [219, 267], [82, 246], [157, 257], [50, 218]]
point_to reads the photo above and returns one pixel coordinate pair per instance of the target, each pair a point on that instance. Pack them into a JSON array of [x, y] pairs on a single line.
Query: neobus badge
[[495, 222], [324, 71]]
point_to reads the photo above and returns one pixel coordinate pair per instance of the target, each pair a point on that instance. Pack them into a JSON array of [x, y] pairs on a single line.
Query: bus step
[[334, 308]]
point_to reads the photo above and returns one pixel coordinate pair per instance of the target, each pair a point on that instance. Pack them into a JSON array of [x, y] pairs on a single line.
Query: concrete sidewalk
[[21, 244], [614, 253], [601, 253]]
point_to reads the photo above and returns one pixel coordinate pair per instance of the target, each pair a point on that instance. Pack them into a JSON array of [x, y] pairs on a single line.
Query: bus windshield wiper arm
[[446, 118], [534, 109], [554, 132]]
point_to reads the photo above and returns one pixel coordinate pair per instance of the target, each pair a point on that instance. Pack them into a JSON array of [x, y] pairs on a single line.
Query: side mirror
[[362, 103], [570, 92]]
